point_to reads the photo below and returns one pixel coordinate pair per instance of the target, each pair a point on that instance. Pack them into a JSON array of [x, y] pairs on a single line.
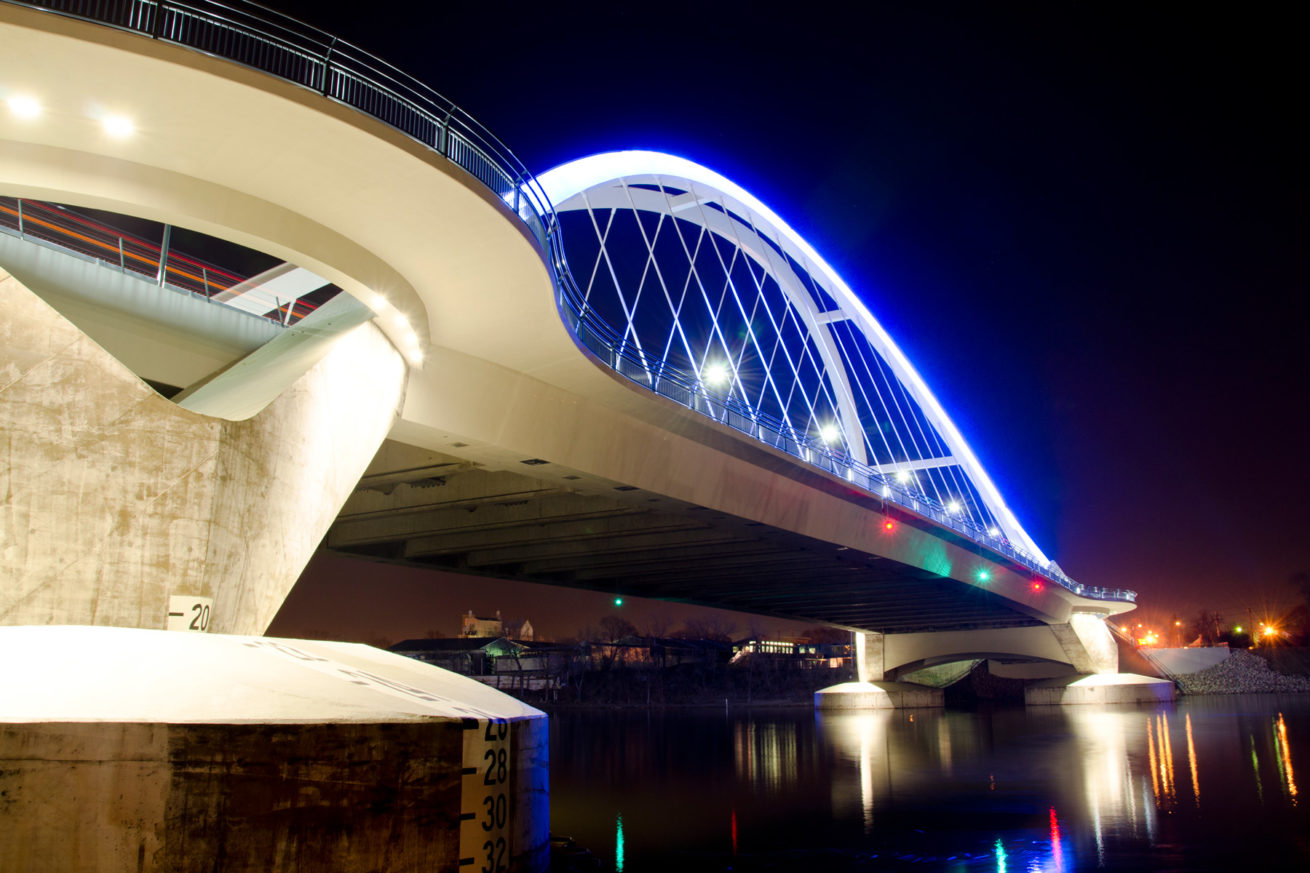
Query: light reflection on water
[[1041, 789]]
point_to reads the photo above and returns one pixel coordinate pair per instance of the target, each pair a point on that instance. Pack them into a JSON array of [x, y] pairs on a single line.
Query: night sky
[[1084, 224]]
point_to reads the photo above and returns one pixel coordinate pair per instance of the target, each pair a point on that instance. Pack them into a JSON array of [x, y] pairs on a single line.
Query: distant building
[[478, 626], [799, 654]]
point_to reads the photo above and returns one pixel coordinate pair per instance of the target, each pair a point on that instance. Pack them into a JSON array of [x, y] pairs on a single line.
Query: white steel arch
[[590, 183]]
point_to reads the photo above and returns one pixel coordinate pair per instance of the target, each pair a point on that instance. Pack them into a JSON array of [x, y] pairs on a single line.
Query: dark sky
[[1084, 223]]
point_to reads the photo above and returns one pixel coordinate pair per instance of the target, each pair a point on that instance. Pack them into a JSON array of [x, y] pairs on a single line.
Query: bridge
[[627, 375]]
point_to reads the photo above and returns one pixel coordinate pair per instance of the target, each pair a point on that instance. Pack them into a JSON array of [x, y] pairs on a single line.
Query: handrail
[[115, 249], [274, 43]]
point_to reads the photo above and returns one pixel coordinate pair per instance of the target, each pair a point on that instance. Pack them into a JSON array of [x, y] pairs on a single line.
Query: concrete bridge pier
[[1076, 661], [124, 508], [128, 515], [871, 690]]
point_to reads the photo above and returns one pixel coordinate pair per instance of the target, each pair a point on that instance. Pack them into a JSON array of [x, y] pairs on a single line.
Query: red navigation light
[[1037, 585], [889, 525]]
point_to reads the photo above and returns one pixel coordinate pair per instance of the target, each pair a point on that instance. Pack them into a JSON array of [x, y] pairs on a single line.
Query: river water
[[1207, 783]]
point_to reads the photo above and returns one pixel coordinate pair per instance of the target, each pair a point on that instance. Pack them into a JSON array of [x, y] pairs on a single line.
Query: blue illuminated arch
[[864, 401]]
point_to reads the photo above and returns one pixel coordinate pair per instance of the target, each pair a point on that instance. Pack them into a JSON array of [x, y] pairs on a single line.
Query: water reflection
[[1041, 789]]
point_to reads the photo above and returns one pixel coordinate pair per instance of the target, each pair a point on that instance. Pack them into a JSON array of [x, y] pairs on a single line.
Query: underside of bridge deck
[[543, 523]]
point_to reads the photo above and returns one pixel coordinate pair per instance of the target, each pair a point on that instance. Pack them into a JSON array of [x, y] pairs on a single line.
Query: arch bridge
[[628, 375]]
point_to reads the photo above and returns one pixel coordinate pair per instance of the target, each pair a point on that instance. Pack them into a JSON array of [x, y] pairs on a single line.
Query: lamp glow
[[118, 126], [904, 477], [953, 507], [24, 106], [983, 575], [715, 374], [829, 433]]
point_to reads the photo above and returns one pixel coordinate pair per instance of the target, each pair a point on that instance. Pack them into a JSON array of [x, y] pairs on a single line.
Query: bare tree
[[614, 628]]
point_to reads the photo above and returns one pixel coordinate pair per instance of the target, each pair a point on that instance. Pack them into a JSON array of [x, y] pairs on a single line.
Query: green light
[[984, 576], [1237, 629], [618, 601], [618, 845]]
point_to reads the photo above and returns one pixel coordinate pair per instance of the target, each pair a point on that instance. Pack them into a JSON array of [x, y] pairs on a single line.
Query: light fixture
[[993, 531], [24, 106], [715, 374], [118, 126], [829, 433], [904, 477], [953, 507]]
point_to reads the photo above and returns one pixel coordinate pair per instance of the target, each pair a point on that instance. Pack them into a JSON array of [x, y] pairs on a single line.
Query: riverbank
[[1244, 672]]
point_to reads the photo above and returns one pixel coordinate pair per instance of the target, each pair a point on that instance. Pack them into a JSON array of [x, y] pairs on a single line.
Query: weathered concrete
[[877, 695], [124, 749], [116, 499], [1098, 688], [1088, 643], [869, 656]]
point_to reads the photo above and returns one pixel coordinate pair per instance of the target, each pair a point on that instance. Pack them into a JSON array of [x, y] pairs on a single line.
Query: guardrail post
[[157, 25], [20, 216], [122, 261], [163, 255], [327, 67]]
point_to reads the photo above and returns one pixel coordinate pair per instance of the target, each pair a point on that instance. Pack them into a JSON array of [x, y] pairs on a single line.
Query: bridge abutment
[[118, 501]]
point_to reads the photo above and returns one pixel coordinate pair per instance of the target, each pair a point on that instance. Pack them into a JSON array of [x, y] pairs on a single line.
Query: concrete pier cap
[[877, 695], [123, 748]]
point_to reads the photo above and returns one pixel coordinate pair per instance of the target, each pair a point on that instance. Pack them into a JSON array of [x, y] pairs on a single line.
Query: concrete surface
[[116, 499], [126, 749], [1098, 688], [877, 695]]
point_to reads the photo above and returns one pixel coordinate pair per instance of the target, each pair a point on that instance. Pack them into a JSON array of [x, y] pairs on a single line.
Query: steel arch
[[590, 182]]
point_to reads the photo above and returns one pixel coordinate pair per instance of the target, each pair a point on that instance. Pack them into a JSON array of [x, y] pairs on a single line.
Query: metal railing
[[270, 42], [62, 228]]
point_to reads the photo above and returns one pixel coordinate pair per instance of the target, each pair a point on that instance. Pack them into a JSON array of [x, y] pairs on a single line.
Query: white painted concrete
[[877, 695], [1098, 689], [110, 674], [168, 752]]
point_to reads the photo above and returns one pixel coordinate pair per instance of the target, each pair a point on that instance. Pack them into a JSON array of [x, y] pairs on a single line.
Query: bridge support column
[[1092, 651], [1088, 644], [869, 656], [118, 502], [869, 691]]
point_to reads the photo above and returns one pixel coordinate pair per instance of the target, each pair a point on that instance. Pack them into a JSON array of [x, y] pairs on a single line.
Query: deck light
[[953, 507], [24, 106], [715, 374], [983, 575], [118, 126], [829, 433]]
